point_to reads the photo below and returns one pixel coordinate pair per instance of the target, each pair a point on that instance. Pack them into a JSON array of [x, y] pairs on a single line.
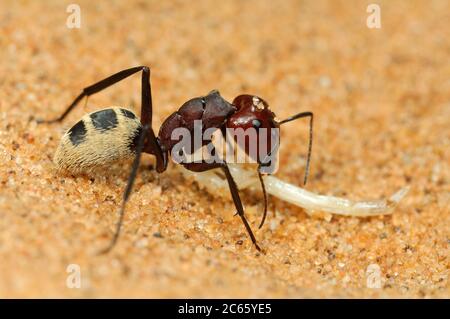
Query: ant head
[[252, 112]]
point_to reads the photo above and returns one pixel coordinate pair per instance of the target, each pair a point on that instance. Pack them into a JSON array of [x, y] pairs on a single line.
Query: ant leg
[[152, 146], [238, 203], [237, 200], [266, 199], [203, 166], [297, 116], [126, 194], [95, 88]]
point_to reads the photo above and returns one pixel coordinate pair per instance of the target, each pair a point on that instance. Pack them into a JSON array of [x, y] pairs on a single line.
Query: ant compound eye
[[256, 123], [203, 102]]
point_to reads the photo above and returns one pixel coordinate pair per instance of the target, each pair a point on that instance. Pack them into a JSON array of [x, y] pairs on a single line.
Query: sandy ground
[[381, 104]]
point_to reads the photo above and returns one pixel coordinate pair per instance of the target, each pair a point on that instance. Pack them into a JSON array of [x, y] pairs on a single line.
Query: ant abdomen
[[99, 138]]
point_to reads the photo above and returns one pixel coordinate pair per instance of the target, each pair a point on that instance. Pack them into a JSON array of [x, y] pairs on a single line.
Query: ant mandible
[[111, 134]]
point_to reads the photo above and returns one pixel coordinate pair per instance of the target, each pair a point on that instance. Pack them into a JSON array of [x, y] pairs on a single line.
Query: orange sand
[[381, 104]]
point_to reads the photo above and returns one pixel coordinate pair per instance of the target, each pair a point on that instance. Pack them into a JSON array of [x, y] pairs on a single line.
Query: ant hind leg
[[95, 88], [128, 189]]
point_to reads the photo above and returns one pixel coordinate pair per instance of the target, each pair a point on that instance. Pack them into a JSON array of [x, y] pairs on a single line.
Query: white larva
[[311, 202]]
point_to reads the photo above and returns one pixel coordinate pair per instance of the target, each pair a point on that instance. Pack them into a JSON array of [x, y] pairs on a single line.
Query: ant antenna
[[297, 116]]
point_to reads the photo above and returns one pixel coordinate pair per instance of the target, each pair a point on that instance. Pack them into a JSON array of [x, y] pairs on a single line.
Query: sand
[[382, 121]]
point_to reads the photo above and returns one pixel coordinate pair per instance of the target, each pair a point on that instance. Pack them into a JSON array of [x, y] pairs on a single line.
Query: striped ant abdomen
[[99, 138]]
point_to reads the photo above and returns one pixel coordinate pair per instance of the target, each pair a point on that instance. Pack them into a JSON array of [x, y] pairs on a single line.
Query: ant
[[111, 134]]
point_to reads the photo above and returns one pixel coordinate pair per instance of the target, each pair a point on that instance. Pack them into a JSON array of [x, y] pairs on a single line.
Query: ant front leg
[[203, 166], [238, 203]]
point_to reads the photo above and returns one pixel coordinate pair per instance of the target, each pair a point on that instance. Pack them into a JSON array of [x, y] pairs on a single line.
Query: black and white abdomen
[[98, 139]]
